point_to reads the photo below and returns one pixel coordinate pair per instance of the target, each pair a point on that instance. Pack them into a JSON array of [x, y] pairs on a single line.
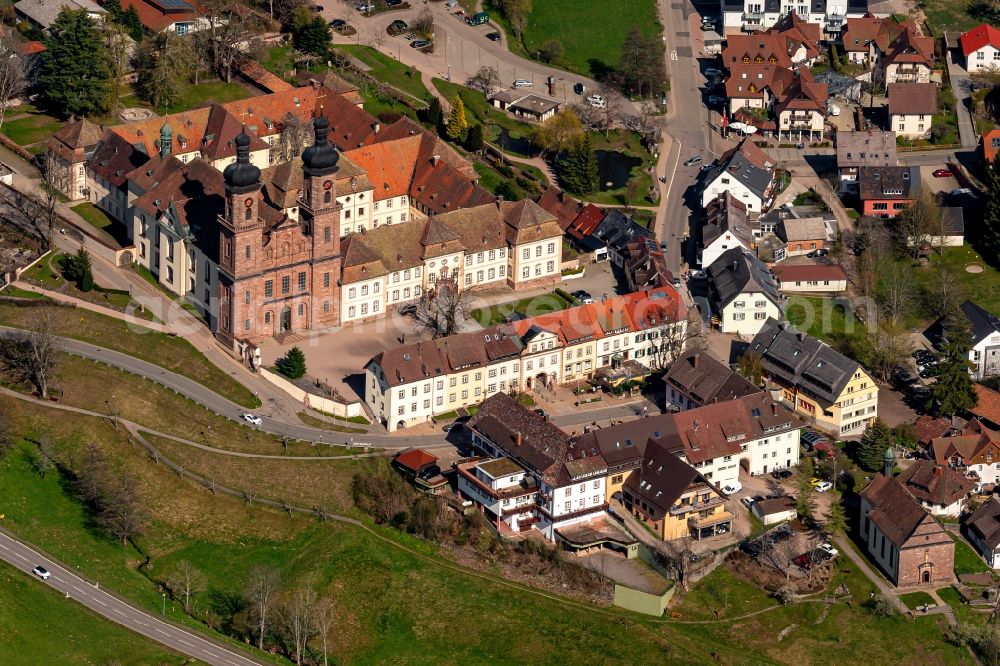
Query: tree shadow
[[600, 70]]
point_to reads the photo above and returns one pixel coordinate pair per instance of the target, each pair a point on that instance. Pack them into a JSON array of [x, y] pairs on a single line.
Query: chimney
[[937, 471], [774, 408], [376, 126], [435, 159], [695, 360], [517, 439]]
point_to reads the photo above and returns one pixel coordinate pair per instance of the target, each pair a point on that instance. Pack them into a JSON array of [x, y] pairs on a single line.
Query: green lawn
[[966, 559], [41, 626], [101, 220], [205, 94], [948, 15], [389, 70], [478, 110], [826, 319], [169, 352], [15, 292], [981, 288], [529, 307], [32, 127], [591, 31], [628, 143], [914, 599]]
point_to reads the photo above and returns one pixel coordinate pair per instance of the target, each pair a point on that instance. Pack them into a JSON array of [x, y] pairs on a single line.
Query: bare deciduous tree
[[676, 553], [123, 514], [31, 356], [424, 24], [13, 75], [324, 617], [42, 459], [92, 474], [299, 620], [945, 291], [233, 32], [295, 135], [34, 210], [896, 296], [915, 226], [185, 581], [6, 435], [118, 47], [261, 589], [486, 80], [444, 309]]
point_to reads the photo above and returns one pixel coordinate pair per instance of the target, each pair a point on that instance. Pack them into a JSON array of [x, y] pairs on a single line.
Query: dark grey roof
[[982, 324], [726, 214], [661, 479], [952, 221], [617, 229], [985, 523], [889, 182], [793, 358], [738, 165], [857, 6], [772, 6], [705, 380], [737, 271]]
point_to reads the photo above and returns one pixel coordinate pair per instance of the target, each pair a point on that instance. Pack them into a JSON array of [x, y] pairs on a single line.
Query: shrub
[[293, 365]]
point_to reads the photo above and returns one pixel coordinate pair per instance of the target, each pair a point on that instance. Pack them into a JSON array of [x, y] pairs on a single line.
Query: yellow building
[[834, 391]]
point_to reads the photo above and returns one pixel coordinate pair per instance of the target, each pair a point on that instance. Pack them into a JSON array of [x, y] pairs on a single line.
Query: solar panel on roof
[[174, 4]]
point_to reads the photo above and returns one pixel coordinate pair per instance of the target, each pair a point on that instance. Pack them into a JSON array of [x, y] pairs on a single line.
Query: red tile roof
[[978, 37], [989, 404], [989, 150], [262, 78], [414, 459], [563, 206], [937, 484], [389, 165], [586, 222], [153, 16]]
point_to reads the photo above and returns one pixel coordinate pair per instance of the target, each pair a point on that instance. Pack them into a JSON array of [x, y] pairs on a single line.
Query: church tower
[[240, 240], [319, 214]]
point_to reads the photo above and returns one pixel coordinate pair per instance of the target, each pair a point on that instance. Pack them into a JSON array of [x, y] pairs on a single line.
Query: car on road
[[960, 190], [732, 488], [828, 549], [41, 572], [782, 474], [493, 36], [823, 486], [523, 83], [942, 173], [393, 3], [691, 161], [420, 43], [822, 252], [252, 419], [713, 72], [579, 88]]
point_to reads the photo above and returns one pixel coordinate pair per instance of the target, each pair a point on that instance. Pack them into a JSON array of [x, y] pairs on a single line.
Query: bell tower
[[319, 214], [240, 240]]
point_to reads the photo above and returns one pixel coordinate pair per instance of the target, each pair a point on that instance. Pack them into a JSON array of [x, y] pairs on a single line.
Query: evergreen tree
[[953, 393], [293, 365], [871, 448], [474, 139], [457, 124], [133, 26], [78, 268], [579, 168], [836, 520], [989, 241], [433, 113], [74, 77], [312, 36]]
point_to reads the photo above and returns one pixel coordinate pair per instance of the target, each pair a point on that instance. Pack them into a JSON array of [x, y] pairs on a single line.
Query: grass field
[[389, 70], [591, 31], [478, 110], [966, 559], [630, 144], [981, 288], [172, 353], [530, 307], [826, 319], [205, 94], [948, 15], [25, 125], [42, 627], [914, 599], [101, 220]]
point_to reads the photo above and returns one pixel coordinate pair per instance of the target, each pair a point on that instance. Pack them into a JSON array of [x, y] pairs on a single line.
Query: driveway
[[961, 85]]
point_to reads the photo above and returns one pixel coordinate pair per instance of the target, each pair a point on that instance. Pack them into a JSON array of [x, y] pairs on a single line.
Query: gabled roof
[[586, 222], [937, 484], [911, 99], [737, 272], [985, 523], [661, 479], [988, 406], [748, 164], [414, 459], [983, 324], [563, 206], [617, 230], [78, 134], [895, 513], [155, 15], [906, 46], [114, 159], [980, 36], [796, 359], [792, 229], [889, 182], [860, 32], [726, 215], [803, 93], [45, 12], [389, 165], [700, 376]]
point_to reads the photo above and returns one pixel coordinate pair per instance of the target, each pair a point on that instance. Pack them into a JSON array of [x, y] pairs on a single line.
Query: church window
[[302, 281], [302, 309], [326, 234], [249, 214], [269, 288], [326, 280], [326, 306], [267, 317], [246, 297], [247, 251], [285, 284]]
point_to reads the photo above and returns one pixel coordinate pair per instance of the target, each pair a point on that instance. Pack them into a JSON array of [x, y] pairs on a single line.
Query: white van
[[451, 4], [523, 83]]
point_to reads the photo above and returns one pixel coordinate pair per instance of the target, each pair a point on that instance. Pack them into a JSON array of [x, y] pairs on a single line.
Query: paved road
[[111, 607]]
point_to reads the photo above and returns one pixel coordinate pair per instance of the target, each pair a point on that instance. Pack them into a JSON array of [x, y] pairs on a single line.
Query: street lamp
[[163, 611]]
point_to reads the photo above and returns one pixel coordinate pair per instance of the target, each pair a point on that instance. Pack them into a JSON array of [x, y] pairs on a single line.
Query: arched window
[[249, 214], [326, 197], [267, 317]]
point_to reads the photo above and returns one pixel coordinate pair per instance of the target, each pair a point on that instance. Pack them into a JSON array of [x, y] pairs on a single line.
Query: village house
[[697, 379], [987, 409], [801, 108], [984, 327], [673, 498], [802, 235], [774, 510], [866, 148], [820, 383], [41, 14], [895, 50], [908, 544], [412, 383], [885, 191], [615, 231], [939, 489], [756, 15], [990, 144], [982, 529], [742, 293], [726, 226], [972, 451], [911, 107], [810, 278], [981, 48], [746, 172], [179, 16], [788, 43], [525, 105]]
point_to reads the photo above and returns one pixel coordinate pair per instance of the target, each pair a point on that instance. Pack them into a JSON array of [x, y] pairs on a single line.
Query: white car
[[596, 101], [732, 488], [523, 83], [834, 110], [253, 419], [828, 549], [41, 572], [823, 486]]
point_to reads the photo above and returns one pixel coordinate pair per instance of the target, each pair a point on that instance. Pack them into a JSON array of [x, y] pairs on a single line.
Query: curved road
[[223, 407], [116, 610]]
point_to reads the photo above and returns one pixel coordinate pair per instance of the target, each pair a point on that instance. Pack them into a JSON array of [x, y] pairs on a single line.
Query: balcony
[[680, 510], [753, 16]]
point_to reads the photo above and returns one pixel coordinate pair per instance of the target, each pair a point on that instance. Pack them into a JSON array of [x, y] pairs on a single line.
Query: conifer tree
[[293, 365], [871, 448], [457, 124], [579, 168], [74, 75], [989, 240], [953, 393]]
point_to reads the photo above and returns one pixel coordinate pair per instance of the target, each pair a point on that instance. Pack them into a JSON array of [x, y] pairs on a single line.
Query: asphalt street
[[111, 607]]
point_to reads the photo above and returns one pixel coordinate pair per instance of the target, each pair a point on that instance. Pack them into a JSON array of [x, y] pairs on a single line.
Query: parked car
[[420, 43], [782, 474], [365, 7], [579, 88], [828, 549], [823, 486], [252, 419], [41, 572], [582, 296], [821, 252], [338, 23], [596, 101], [752, 548], [748, 502], [713, 72], [833, 109], [429, 472], [732, 488], [523, 83], [782, 533], [393, 3], [691, 161], [959, 190], [677, 283], [942, 173], [493, 36], [804, 561]]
